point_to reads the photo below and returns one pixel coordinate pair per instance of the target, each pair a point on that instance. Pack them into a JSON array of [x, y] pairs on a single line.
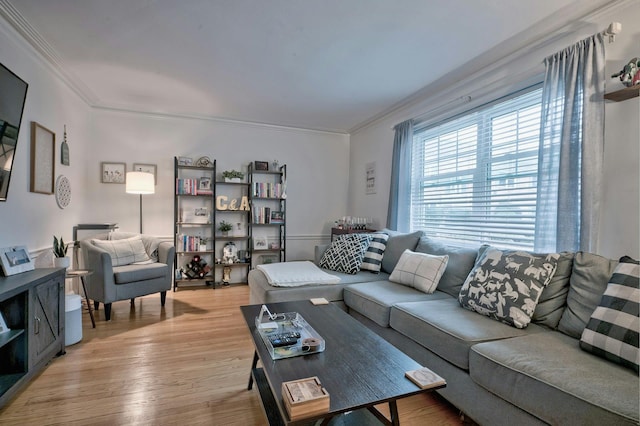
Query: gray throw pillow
[[506, 284], [554, 296], [461, 261], [397, 243], [589, 278]]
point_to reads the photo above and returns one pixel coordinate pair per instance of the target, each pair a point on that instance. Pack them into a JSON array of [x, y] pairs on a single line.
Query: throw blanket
[[294, 274]]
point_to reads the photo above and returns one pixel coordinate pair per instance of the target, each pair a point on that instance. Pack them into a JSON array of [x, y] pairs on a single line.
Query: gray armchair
[[114, 278]]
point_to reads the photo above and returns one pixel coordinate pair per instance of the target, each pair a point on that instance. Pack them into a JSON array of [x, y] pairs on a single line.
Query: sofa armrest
[[319, 251], [100, 283]]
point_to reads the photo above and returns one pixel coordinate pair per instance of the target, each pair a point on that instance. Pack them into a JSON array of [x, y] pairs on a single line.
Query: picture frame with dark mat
[[261, 166]]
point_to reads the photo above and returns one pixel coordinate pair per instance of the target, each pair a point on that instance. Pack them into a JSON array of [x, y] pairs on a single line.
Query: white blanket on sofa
[[294, 274]]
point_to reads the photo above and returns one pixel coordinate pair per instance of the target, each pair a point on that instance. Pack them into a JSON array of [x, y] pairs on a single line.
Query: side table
[[81, 273]]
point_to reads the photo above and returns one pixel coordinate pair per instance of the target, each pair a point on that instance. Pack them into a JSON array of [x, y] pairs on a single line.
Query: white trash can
[[72, 319]]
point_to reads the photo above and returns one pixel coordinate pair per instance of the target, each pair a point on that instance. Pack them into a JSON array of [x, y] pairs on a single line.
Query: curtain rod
[[611, 31]]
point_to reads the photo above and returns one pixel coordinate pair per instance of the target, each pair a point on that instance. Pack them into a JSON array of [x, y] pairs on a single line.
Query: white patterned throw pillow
[[372, 260], [612, 331], [419, 270], [506, 284], [345, 254], [125, 251]]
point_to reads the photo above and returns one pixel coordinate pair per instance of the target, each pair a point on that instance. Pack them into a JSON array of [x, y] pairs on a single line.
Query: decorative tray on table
[[287, 335]]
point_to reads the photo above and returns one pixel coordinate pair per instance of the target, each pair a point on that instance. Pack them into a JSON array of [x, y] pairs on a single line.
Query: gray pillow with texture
[[397, 243], [589, 278], [461, 261], [554, 296]]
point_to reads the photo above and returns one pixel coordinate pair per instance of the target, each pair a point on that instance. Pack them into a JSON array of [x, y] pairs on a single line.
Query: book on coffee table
[[305, 398], [425, 378]]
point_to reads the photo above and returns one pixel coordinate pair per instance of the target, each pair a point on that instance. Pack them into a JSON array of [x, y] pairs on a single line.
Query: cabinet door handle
[[37, 326]]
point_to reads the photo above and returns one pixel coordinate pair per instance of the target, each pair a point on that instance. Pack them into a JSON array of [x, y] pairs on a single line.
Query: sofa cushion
[[590, 274], [506, 284], [448, 330], [612, 331], [397, 243], [419, 270], [554, 296], [547, 374], [375, 299], [345, 253], [461, 261], [125, 251], [132, 273], [372, 260]]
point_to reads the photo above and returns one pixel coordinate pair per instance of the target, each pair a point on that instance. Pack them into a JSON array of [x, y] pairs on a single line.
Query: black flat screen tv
[[13, 93]]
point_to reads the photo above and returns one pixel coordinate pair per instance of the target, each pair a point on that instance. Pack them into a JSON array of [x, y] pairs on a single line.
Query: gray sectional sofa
[[496, 374]]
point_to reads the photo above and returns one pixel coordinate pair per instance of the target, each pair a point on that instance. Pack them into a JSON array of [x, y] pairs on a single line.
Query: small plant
[[224, 226], [59, 247], [232, 174]]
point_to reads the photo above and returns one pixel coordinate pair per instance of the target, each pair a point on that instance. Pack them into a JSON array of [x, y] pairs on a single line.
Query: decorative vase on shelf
[[62, 262], [233, 180]]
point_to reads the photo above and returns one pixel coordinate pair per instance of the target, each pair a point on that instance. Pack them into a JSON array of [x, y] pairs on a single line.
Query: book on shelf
[[425, 378], [305, 398], [267, 190]]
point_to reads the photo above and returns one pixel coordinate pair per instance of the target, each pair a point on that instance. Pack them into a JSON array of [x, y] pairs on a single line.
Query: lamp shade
[[140, 183]]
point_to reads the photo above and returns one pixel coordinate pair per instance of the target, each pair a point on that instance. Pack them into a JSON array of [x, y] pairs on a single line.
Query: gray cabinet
[[32, 305]]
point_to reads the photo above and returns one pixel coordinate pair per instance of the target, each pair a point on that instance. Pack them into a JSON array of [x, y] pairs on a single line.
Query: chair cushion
[[612, 331], [125, 251], [132, 273], [419, 270]]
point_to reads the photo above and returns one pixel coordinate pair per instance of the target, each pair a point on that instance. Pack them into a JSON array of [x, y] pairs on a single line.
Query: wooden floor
[[186, 364]]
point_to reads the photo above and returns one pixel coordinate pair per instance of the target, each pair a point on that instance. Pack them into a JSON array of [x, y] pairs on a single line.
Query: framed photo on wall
[[43, 157], [113, 172], [147, 168]]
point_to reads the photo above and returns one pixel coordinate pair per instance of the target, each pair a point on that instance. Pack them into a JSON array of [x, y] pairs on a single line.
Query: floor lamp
[[140, 183]]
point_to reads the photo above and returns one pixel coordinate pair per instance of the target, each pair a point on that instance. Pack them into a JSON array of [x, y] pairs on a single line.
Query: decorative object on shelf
[[226, 276], [140, 183], [113, 172], [43, 154], [147, 168], [197, 268], [259, 243], [224, 227], [204, 185], [232, 176], [630, 73], [202, 215], [15, 260], [64, 149], [63, 191], [277, 218], [229, 253], [204, 162], [185, 161], [261, 166], [275, 165], [203, 243], [274, 245]]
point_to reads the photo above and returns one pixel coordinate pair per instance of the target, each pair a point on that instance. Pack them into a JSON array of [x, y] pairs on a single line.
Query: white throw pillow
[[419, 270], [124, 252]]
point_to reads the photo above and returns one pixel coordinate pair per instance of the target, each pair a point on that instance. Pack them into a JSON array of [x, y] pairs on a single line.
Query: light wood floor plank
[[186, 364]]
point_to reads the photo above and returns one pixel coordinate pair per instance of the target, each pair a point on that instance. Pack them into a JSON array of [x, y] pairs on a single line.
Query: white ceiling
[[315, 64]]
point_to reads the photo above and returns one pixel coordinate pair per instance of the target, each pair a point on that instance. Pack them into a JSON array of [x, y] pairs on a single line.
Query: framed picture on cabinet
[[15, 260]]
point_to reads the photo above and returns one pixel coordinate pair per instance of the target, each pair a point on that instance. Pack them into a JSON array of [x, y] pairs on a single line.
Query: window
[[474, 178]]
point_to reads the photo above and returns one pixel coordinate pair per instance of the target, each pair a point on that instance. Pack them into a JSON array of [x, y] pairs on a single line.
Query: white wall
[[316, 169], [620, 233], [28, 218]]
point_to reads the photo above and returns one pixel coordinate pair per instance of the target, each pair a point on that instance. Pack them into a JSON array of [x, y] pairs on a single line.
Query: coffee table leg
[[253, 365], [393, 409]]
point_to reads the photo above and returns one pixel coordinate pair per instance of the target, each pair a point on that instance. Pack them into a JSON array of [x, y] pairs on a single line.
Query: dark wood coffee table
[[358, 368]]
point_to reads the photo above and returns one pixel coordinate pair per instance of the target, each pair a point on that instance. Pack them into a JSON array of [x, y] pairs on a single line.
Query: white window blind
[[474, 178]]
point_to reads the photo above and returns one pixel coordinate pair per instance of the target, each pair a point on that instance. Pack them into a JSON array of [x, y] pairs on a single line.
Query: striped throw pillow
[[612, 331], [372, 260]]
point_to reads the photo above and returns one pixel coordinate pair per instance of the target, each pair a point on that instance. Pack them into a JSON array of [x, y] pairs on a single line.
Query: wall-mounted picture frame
[[113, 172], [262, 166], [147, 168], [15, 260], [43, 158]]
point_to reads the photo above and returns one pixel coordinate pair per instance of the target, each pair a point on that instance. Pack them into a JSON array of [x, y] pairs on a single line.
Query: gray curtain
[[399, 198], [571, 148]]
